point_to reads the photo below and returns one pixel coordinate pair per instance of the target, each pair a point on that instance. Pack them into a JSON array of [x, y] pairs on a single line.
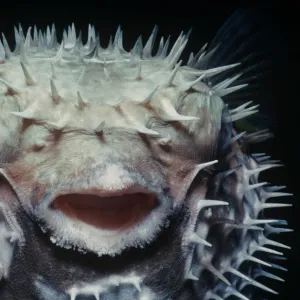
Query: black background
[[205, 18]]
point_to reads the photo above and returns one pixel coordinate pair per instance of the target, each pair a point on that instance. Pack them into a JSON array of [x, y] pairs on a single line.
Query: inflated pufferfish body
[[123, 176]]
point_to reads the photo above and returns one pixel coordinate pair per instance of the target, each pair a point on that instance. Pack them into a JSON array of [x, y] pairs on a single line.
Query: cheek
[[181, 175], [22, 179]]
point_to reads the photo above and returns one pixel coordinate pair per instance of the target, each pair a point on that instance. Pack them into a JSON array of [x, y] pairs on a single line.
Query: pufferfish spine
[[71, 88]]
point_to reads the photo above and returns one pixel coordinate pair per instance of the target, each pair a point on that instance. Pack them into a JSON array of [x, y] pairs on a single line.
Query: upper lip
[[100, 192]]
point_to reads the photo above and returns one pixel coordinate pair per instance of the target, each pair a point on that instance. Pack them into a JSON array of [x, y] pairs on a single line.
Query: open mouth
[[104, 221], [107, 212]]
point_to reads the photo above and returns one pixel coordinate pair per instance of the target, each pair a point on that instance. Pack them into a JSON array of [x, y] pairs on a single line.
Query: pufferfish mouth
[[102, 220], [107, 210]]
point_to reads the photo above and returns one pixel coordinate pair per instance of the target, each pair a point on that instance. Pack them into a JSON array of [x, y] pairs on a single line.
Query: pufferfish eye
[[129, 174]]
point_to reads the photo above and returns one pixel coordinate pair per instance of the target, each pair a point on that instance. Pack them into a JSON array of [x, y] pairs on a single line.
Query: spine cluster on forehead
[[154, 83], [75, 87]]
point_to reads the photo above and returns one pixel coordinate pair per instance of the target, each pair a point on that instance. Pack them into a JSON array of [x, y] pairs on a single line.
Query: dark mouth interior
[[110, 213]]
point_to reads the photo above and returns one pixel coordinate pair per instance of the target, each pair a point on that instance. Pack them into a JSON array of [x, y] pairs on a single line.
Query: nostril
[[106, 212]]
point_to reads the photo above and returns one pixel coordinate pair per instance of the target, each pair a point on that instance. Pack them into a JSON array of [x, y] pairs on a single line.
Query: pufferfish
[[125, 173]]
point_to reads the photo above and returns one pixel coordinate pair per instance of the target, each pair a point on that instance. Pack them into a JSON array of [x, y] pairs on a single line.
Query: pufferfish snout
[[124, 176]]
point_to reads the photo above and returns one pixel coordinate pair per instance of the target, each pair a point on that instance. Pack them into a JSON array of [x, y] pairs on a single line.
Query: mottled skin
[[163, 132]]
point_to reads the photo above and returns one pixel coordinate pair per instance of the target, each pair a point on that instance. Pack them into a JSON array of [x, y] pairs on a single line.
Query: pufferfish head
[[123, 175]]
